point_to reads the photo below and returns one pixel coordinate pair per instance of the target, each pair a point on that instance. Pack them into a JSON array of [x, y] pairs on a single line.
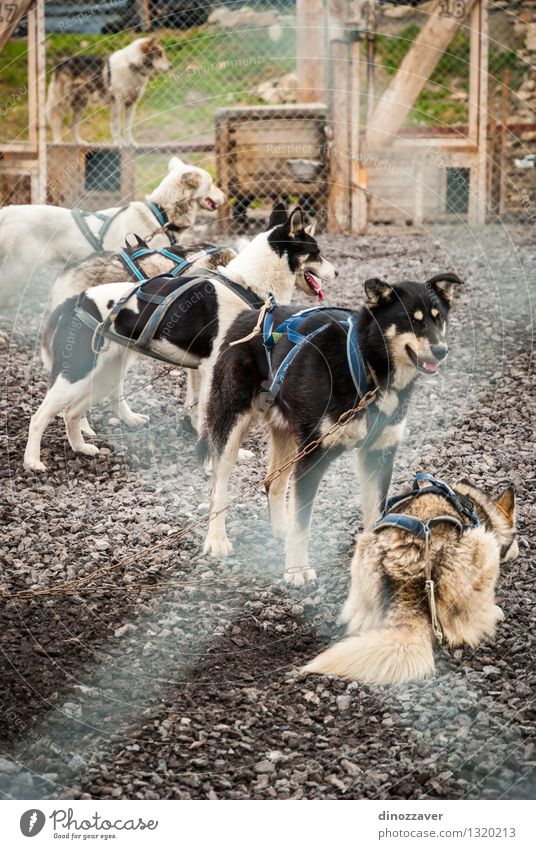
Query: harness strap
[[290, 326], [463, 506], [416, 526], [429, 587], [181, 263], [299, 341], [245, 293], [104, 330], [162, 218], [95, 239]]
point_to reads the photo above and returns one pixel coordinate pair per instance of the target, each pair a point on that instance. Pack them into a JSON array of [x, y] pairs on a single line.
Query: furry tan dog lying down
[[390, 611]]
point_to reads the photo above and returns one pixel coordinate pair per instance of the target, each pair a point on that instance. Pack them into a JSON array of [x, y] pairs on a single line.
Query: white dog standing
[[56, 237], [119, 79]]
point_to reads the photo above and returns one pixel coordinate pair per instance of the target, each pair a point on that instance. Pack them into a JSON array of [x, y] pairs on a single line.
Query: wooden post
[[415, 70], [10, 15], [339, 177], [358, 183], [223, 177], [479, 100], [311, 51], [37, 130], [505, 109]]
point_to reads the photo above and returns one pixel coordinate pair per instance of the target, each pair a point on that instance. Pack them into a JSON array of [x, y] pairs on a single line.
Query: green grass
[[209, 70], [436, 105], [214, 69]]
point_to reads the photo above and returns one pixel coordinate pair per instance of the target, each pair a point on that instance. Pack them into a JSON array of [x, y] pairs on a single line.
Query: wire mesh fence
[[230, 100]]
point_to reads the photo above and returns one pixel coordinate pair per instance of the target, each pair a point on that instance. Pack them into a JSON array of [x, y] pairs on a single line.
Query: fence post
[[311, 51], [347, 201], [37, 128], [478, 102], [339, 159]]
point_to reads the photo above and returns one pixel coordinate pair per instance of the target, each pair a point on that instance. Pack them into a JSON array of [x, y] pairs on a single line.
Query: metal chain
[[73, 586]]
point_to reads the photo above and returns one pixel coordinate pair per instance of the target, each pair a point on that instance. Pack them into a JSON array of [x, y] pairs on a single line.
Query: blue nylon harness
[[291, 326], [421, 529], [181, 263], [466, 519], [104, 330], [96, 240]]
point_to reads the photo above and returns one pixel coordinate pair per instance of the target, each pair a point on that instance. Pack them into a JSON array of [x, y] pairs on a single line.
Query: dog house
[[271, 152], [100, 176]]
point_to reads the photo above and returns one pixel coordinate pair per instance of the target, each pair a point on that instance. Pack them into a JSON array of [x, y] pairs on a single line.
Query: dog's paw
[[499, 614], [34, 465], [86, 428], [217, 546], [299, 576], [345, 615], [136, 420], [88, 449], [244, 455]]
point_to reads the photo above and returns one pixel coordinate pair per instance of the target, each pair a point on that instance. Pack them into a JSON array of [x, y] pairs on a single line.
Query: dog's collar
[[162, 217]]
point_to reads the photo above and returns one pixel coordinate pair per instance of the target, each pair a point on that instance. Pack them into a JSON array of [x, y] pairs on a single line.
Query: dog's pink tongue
[[317, 288], [319, 292], [431, 367]]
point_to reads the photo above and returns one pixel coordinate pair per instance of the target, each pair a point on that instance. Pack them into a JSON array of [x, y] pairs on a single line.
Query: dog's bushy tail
[[379, 656]]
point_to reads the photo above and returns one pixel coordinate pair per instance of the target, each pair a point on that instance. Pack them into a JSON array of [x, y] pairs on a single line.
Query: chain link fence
[[442, 107], [229, 103]]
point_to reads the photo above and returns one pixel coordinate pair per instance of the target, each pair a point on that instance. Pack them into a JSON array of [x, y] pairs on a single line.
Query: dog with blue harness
[[181, 319], [425, 574], [301, 372], [137, 260]]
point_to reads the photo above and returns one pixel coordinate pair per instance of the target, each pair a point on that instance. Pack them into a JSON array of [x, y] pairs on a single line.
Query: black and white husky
[[400, 332], [189, 333], [57, 237], [119, 79]]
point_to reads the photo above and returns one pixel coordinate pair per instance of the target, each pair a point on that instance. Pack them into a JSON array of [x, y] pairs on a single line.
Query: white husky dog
[[119, 78], [56, 237]]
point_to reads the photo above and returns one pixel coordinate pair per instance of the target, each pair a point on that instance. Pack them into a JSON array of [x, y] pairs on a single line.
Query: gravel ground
[[174, 676]]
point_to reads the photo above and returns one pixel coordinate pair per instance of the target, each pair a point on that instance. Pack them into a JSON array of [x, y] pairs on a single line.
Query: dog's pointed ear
[[506, 503], [443, 285], [377, 290], [278, 215], [310, 228], [139, 243], [175, 162], [295, 222], [191, 179], [149, 44]]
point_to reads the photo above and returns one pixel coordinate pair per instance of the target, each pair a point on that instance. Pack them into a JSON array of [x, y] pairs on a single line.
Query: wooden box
[[271, 152]]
